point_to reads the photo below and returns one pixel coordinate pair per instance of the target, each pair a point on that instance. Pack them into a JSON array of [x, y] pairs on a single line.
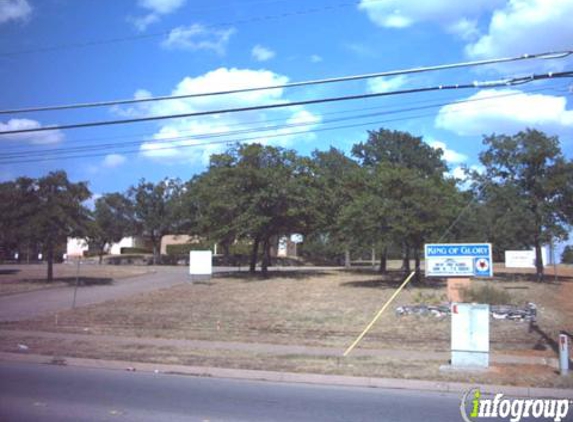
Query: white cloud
[[157, 8], [466, 29], [378, 85], [449, 155], [162, 7], [509, 113], [46, 137], [174, 141], [14, 10], [459, 172], [405, 13], [198, 37], [526, 26], [315, 58], [113, 160], [262, 54]]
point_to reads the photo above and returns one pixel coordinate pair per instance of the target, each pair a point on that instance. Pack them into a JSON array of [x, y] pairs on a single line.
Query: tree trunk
[[254, 255], [538, 260], [347, 258], [383, 261], [100, 257], [405, 258], [50, 259], [266, 257]]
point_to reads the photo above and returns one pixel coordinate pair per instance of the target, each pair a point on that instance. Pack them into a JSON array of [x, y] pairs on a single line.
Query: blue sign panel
[[458, 260]]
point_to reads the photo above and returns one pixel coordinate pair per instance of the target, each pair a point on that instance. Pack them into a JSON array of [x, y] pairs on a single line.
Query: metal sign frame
[[458, 260]]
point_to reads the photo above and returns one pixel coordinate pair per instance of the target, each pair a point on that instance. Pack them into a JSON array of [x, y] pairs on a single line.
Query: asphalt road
[[31, 392]]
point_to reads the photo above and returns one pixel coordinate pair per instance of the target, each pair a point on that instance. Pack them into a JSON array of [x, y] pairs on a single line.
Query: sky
[[55, 52]]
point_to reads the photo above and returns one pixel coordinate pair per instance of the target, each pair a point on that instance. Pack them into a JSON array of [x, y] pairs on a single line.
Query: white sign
[[296, 238], [200, 262], [458, 260], [470, 335], [523, 259]]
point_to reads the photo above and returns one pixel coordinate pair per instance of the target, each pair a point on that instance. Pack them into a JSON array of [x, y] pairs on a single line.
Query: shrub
[[567, 256], [486, 294]]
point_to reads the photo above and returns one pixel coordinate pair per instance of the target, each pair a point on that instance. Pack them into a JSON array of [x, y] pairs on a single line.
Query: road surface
[[31, 392]]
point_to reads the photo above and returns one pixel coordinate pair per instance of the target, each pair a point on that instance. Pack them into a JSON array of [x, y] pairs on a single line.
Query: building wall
[[174, 239]]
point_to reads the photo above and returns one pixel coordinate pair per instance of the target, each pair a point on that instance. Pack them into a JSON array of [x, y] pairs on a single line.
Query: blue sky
[[70, 51]]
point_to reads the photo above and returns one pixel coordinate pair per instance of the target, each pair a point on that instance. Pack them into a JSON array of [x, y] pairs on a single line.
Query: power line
[[490, 84], [75, 154], [536, 56], [166, 33], [36, 152]]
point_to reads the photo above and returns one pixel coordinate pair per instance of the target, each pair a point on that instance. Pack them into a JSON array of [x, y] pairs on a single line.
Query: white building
[[77, 246]]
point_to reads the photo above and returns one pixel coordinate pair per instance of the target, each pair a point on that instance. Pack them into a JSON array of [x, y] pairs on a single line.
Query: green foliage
[[254, 193], [399, 149], [486, 294], [112, 220], [527, 190], [131, 251], [567, 255], [157, 209], [44, 211]]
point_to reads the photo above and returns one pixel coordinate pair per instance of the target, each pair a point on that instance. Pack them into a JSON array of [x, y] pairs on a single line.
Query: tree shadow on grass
[[531, 277], [393, 280], [9, 271], [548, 340], [275, 274], [71, 281]]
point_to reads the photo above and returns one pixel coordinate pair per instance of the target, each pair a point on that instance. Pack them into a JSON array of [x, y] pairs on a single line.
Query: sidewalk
[[270, 349]]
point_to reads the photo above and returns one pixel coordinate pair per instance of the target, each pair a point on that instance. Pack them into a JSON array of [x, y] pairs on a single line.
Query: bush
[[567, 255], [486, 294], [126, 251]]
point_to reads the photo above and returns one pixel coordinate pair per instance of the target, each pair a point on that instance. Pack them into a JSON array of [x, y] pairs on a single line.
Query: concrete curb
[[289, 377]]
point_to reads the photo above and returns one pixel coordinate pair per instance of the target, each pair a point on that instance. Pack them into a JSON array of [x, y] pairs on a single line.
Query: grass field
[[24, 278], [326, 309]]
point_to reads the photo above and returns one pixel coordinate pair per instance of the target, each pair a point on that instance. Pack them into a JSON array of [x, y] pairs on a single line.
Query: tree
[[398, 205], [531, 165], [255, 193], [567, 255], [156, 209], [338, 179], [400, 149], [396, 149], [48, 210], [112, 220]]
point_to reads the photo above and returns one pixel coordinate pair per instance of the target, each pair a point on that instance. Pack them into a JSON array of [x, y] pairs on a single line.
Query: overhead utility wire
[[117, 149], [281, 119], [488, 84], [166, 33], [536, 56], [39, 152]]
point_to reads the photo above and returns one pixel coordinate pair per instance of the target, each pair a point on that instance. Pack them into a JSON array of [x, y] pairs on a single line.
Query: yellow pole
[[353, 345]]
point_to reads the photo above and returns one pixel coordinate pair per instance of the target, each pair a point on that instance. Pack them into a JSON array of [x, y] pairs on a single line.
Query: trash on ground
[[499, 312], [23, 347]]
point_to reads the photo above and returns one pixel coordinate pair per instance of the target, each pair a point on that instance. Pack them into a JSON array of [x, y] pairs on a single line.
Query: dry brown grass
[[327, 309], [24, 278]]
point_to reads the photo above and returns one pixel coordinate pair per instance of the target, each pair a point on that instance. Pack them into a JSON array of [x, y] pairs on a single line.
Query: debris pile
[[437, 311], [526, 313]]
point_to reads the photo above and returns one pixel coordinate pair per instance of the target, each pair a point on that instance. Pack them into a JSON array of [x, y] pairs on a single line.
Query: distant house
[[175, 239], [78, 246]]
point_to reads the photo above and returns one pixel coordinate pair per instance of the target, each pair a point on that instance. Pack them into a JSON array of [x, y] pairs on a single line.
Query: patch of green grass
[[486, 294]]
